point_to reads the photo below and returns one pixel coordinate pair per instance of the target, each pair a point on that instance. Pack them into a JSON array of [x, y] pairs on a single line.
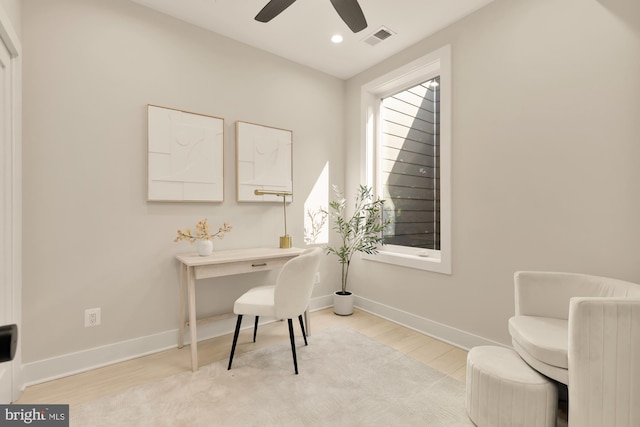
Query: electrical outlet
[[91, 317], [317, 278]]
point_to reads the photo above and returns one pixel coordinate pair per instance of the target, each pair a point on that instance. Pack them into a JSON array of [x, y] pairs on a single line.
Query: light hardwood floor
[[101, 382]]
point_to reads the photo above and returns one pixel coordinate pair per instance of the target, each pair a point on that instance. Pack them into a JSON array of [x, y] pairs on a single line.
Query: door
[[7, 241]]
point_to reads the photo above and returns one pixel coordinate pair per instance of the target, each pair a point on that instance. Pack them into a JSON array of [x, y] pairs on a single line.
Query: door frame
[[11, 192]]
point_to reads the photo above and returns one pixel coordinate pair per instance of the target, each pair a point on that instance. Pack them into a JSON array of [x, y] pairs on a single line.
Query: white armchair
[[583, 331]]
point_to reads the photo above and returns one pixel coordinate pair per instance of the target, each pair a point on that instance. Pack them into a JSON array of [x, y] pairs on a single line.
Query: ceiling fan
[[349, 11]]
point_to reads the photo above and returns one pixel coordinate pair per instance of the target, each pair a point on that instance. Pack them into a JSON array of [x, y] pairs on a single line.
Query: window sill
[[428, 263]]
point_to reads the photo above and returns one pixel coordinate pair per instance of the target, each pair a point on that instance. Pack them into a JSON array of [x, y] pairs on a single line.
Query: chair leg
[[255, 328], [304, 334], [235, 340], [293, 345]]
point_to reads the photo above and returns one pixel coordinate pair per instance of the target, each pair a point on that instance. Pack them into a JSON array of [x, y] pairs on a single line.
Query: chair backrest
[[545, 293], [604, 352], [295, 284]]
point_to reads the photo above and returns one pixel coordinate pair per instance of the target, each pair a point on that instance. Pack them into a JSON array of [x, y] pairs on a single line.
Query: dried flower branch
[[202, 232]]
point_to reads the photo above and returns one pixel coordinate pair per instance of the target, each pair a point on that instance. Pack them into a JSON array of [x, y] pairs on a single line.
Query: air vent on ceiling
[[381, 34]]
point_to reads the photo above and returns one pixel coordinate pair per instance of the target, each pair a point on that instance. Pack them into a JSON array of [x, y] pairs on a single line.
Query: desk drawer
[[239, 267]]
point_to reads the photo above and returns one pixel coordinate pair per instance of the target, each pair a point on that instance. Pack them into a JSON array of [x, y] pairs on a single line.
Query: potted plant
[[360, 231], [203, 236]]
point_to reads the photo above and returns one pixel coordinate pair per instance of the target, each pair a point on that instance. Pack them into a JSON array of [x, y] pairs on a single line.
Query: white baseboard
[[448, 334], [320, 303], [74, 363]]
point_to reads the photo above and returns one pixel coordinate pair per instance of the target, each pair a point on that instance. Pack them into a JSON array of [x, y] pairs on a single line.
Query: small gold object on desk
[[285, 241]]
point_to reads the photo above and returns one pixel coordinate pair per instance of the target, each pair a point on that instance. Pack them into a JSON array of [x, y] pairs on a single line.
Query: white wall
[[90, 237], [546, 144]]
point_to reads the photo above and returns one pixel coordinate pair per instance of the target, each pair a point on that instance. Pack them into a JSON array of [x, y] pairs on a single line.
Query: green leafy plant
[[360, 231]]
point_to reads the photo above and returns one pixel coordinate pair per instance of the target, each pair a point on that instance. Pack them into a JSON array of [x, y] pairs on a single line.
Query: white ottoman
[[503, 391]]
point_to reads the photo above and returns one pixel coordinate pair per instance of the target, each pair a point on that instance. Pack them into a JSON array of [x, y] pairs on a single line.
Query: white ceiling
[[302, 32]]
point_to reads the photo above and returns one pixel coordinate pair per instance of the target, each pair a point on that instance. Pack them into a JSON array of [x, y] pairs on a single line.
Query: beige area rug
[[346, 379]]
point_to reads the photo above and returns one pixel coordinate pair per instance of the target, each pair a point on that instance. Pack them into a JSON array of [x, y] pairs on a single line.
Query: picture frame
[[185, 156], [264, 161]]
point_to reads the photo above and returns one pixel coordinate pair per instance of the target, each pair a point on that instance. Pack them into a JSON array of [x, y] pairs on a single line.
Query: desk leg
[[191, 292], [183, 302], [307, 322]]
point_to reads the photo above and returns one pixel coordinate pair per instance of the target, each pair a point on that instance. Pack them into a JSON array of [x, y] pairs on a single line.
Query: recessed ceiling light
[[337, 38]]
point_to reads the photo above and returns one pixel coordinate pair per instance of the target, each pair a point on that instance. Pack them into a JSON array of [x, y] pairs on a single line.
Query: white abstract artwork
[[185, 156], [264, 161]]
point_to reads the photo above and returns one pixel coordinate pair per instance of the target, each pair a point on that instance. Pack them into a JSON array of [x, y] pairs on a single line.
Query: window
[[408, 171], [407, 124]]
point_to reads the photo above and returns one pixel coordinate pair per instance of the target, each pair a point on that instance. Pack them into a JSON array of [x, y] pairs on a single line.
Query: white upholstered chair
[[287, 299], [583, 331]]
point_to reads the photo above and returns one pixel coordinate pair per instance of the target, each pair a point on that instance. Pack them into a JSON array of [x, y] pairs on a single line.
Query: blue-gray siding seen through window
[[410, 154]]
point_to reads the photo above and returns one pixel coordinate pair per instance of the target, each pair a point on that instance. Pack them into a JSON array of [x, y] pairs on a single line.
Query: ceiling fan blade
[[351, 14], [273, 9]]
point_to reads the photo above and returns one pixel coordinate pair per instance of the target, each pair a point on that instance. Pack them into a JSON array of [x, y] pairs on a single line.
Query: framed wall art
[[185, 156], [264, 157]]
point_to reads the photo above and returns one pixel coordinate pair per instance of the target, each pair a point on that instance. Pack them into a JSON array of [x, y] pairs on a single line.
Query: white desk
[[218, 264]]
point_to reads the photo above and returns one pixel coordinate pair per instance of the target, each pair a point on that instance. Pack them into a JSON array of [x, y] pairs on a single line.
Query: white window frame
[[437, 63]]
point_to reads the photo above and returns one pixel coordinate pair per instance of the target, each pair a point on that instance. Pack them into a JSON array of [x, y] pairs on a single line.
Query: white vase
[[343, 303], [205, 247]]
